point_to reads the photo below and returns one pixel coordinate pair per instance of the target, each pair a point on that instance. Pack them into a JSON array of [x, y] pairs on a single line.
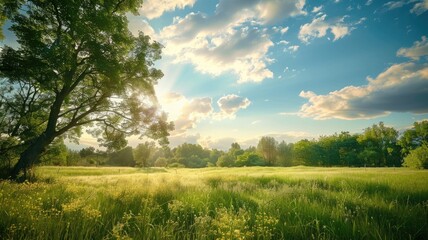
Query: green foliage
[[9, 155], [267, 147], [123, 157], [86, 152], [73, 158], [382, 141], [249, 159], [161, 162], [307, 153], [77, 65], [191, 155], [55, 154], [414, 137], [235, 150], [214, 156], [226, 160], [143, 152], [285, 154], [87, 156], [417, 158], [176, 165]]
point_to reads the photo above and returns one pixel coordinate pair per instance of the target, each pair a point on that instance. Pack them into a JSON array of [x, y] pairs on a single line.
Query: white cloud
[[339, 31], [283, 42], [136, 24], [155, 8], [275, 10], [231, 40], [284, 30], [229, 105], [401, 88], [419, 49], [216, 143], [280, 29], [293, 48], [187, 113], [317, 9], [420, 7], [369, 2], [179, 139], [319, 26], [394, 4], [316, 29]]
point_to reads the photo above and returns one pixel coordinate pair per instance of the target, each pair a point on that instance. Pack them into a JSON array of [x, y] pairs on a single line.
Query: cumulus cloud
[[401, 88], [317, 9], [419, 49], [137, 24], [155, 8], [280, 29], [319, 26], [420, 7], [275, 10], [186, 113], [229, 105], [293, 48], [179, 139], [231, 40]]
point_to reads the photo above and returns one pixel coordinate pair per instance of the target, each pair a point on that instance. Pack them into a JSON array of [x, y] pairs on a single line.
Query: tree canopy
[[77, 66]]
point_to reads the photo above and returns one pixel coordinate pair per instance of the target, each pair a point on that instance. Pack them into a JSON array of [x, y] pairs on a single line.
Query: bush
[[176, 165], [161, 162], [225, 161], [249, 159], [417, 158]]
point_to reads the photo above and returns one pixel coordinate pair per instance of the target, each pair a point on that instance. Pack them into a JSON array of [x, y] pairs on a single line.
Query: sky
[[237, 70]]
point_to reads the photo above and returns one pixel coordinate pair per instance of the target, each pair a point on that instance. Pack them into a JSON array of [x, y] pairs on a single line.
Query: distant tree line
[[376, 146]]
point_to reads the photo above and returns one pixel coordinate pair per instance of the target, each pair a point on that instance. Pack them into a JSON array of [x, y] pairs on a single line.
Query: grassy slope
[[217, 203]]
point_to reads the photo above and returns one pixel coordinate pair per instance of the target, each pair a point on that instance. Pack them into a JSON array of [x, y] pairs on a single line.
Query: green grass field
[[217, 203]]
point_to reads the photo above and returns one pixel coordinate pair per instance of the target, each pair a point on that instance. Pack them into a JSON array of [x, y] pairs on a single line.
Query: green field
[[217, 203]]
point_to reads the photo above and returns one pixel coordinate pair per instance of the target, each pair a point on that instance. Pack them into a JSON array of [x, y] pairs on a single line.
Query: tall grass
[[217, 203]]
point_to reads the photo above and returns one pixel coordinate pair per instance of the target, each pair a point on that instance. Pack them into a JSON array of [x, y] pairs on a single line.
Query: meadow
[[217, 203]]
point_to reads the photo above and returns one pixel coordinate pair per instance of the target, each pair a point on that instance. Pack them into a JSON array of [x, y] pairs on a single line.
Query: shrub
[[176, 165], [161, 162], [417, 158]]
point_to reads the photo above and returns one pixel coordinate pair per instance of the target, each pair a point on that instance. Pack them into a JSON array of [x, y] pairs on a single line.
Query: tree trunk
[[30, 156]]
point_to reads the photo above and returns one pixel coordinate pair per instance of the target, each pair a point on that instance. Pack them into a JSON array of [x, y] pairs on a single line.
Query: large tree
[[143, 152], [380, 145], [285, 153], [414, 137], [77, 67], [267, 148]]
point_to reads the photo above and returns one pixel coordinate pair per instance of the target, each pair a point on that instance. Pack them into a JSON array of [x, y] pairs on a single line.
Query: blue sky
[[237, 70]]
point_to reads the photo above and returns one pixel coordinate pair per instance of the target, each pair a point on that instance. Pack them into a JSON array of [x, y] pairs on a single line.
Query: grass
[[217, 203]]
